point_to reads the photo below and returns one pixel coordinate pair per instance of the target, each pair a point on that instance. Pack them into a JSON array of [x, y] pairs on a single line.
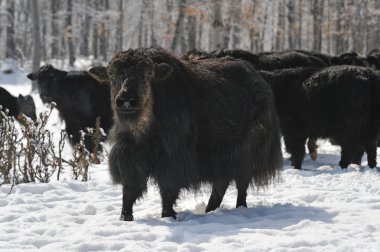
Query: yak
[[350, 58], [338, 102], [265, 60], [187, 123], [270, 61], [17, 105], [373, 58], [79, 98]]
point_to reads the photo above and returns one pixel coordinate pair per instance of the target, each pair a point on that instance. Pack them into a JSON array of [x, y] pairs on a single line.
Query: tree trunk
[[300, 16], [103, 30], [291, 24], [36, 40], [69, 33], [54, 29], [95, 34], [177, 44], [317, 12], [339, 27], [86, 35], [192, 35], [280, 34], [10, 45], [235, 15], [356, 28], [119, 42], [153, 41], [217, 26], [141, 25]]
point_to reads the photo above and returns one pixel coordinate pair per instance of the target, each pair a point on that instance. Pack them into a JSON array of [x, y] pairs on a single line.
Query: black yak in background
[[271, 61], [338, 102], [350, 58], [184, 123], [80, 100], [18, 105], [265, 60], [373, 58]]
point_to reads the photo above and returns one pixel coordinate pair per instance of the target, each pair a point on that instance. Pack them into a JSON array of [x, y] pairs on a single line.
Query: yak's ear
[[28, 98], [21, 97], [334, 60], [372, 60], [32, 76], [99, 73], [162, 71]]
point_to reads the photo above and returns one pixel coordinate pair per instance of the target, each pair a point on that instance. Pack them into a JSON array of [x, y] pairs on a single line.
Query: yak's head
[[349, 58], [131, 75], [26, 106], [373, 58], [48, 79]]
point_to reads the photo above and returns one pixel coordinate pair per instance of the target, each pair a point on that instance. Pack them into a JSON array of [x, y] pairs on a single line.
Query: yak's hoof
[[210, 208], [372, 164], [343, 165], [313, 155], [128, 217], [244, 204], [169, 213]]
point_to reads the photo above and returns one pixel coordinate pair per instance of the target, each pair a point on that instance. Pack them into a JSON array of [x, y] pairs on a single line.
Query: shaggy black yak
[[80, 100], [184, 123], [16, 105], [338, 102]]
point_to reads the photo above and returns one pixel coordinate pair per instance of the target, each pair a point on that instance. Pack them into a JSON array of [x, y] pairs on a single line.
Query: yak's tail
[[268, 159]]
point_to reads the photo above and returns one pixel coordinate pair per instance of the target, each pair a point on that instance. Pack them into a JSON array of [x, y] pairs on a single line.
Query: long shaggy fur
[[208, 121], [80, 100]]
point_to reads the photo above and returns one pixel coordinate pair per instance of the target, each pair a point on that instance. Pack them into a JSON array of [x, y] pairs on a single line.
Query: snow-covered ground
[[321, 208]]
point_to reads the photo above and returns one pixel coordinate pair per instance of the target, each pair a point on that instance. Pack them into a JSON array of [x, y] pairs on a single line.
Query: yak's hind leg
[[312, 147], [349, 153], [295, 145], [218, 190], [130, 195], [358, 157], [371, 148], [242, 186]]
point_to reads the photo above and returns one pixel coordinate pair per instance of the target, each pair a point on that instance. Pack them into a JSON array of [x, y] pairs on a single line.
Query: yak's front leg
[[169, 197], [218, 190], [129, 198]]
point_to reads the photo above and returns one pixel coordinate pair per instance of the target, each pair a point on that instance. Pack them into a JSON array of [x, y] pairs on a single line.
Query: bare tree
[[55, 4], [192, 29], [280, 34], [36, 40], [10, 45], [69, 32], [178, 43], [291, 24], [234, 22], [217, 25], [317, 13], [339, 27]]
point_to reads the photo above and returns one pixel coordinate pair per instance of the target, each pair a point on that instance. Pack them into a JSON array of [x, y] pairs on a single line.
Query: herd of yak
[[214, 117]]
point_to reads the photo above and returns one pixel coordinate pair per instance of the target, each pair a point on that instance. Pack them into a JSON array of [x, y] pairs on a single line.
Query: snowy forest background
[[67, 29]]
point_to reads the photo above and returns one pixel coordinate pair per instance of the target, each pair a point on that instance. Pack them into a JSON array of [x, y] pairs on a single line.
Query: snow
[[320, 208]]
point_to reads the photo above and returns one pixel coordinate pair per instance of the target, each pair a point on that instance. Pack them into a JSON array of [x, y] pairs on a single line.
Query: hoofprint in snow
[[321, 208]]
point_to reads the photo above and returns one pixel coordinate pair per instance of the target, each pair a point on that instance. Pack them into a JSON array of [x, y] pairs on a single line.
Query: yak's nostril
[[119, 103], [132, 102]]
